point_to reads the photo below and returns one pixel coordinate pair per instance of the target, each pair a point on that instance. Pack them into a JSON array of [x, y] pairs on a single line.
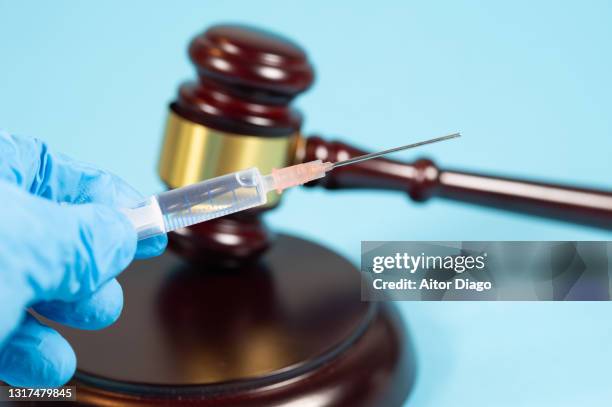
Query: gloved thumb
[[98, 242], [69, 251]]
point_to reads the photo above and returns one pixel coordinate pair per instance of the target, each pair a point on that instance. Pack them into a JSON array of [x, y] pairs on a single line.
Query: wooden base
[[289, 329]]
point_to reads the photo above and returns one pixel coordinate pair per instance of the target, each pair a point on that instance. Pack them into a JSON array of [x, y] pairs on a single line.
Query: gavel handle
[[422, 179]]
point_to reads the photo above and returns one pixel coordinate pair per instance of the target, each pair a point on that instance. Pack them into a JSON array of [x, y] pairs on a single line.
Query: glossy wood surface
[[228, 241], [246, 79], [423, 179], [289, 329]]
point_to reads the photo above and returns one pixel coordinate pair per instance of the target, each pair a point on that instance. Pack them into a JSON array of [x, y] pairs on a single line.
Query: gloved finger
[[98, 311], [66, 252], [100, 242], [29, 163], [151, 247], [108, 189], [111, 190], [36, 356]]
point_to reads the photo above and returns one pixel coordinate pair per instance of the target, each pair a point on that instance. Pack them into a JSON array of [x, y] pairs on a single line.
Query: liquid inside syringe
[[231, 193]]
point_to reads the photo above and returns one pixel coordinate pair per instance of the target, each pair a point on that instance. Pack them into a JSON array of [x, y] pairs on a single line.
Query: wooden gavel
[[290, 328], [238, 115]]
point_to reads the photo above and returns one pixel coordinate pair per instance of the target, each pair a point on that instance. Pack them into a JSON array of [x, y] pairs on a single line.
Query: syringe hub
[[283, 178]]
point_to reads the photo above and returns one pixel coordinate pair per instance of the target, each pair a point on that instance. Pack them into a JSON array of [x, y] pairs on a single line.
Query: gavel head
[[236, 115]]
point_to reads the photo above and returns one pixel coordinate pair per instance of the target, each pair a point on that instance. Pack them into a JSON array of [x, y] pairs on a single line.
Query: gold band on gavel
[[192, 152]]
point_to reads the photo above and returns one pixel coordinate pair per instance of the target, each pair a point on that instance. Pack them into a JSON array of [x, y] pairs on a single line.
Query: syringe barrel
[[206, 200]]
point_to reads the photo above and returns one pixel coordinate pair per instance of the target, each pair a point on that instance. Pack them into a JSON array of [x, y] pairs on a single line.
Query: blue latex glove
[[62, 242]]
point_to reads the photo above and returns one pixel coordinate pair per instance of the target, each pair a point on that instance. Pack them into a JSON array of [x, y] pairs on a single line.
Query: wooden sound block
[[290, 328]]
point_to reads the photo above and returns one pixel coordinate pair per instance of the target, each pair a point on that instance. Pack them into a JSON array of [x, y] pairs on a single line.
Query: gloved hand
[[62, 242]]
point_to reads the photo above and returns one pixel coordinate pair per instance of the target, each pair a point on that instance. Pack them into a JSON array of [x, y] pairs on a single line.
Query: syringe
[[230, 193]]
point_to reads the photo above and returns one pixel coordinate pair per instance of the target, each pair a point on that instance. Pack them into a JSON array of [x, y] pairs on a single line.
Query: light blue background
[[529, 85]]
